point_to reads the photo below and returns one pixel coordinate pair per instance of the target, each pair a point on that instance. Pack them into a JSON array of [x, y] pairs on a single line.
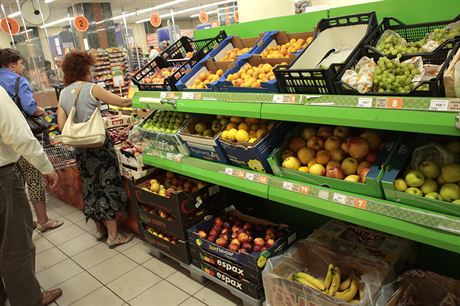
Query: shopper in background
[[12, 68], [50, 73], [103, 188], [164, 44], [153, 53], [17, 251], [60, 74]]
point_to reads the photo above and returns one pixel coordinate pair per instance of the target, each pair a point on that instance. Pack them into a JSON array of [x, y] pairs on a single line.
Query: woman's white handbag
[[89, 134]]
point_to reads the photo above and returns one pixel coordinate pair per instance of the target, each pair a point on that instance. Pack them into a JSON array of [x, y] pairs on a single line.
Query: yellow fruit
[[260, 132], [252, 140], [242, 136], [244, 126], [232, 134], [303, 169], [305, 155], [291, 163], [225, 135]]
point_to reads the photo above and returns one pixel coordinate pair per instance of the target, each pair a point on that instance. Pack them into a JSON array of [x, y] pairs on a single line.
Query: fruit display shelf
[[420, 225], [409, 114]]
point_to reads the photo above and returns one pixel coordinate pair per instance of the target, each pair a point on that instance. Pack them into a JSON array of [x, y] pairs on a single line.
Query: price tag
[[303, 189], [439, 105], [250, 176], [198, 202], [167, 95], [365, 102], [173, 157], [339, 198], [454, 106], [323, 194], [288, 186], [104, 107], [262, 179], [394, 103], [360, 203], [239, 173], [283, 99], [228, 171], [191, 96]]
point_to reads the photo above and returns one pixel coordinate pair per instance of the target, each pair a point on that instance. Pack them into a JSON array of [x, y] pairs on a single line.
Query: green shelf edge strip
[[412, 223]]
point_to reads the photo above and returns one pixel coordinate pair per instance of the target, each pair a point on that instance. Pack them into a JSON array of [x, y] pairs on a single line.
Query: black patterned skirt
[[103, 188]]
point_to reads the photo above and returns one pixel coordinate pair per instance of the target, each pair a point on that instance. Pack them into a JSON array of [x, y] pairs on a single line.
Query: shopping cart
[[61, 156]]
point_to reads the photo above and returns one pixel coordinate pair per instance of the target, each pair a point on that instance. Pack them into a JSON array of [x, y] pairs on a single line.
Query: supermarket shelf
[[412, 223], [216, 173], [409, 114]]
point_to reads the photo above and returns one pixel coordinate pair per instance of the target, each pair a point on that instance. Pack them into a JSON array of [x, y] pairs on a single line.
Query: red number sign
[[236, 16], [9, 26], [204, 18], [155, 20], [81, 23]]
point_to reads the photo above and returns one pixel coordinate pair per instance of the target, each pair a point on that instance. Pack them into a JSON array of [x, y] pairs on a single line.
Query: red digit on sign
[[81, 23], [360, 203]]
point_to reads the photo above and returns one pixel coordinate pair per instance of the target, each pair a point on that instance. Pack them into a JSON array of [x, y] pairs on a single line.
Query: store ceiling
[[58, 8]]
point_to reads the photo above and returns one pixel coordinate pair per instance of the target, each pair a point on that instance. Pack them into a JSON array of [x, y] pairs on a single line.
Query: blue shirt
[[8, 82]]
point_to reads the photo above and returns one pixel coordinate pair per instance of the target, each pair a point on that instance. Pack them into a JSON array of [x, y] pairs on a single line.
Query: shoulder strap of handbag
[[78, 95], [16, 99]]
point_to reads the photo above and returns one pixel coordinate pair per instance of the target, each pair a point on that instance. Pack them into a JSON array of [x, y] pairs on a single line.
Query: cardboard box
[[184, 209], [232, 42], [277, 38], [397, 166], [229, 267], [254, 260], [185, 83], [203, 147], [254, 156], [248, 288], [371, 187], [180, 251], [135, 173], [253, 60], [449, 76], [117, 120]]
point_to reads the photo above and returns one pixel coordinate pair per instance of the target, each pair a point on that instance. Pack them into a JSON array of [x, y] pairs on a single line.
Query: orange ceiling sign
[[81, 23], [10, 26], [204, 18], [155, 20]]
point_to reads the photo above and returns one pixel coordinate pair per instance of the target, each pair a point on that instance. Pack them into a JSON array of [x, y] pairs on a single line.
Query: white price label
[[104, 107], [250, 176], [439, 105], [191, 95], [323, 194], [228, 171], [288, 186], [283, 99], [365, 102], [339, 198]]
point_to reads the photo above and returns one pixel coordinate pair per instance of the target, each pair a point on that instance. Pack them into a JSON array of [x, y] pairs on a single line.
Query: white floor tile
[[78, 245], [94, 255], [133, 283], [76, 216], [191, 301], [60, 236], [112, 268], [89, 226], [36, 235], [163, 294], [216, 295], [140, 253], [58, 273], [48, 259], [76, 288], [65, 209], [129, 245], [42, 244], [182, 280], [160, 267], [100, 297]]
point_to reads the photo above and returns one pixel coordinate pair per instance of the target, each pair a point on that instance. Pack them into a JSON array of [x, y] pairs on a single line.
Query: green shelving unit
[[408, 114]]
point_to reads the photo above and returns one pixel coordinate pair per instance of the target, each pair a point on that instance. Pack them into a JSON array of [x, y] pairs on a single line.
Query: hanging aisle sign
[[155, 20], [236, 16], [10, 26], [118, 76], [81, 23], [204, 18]]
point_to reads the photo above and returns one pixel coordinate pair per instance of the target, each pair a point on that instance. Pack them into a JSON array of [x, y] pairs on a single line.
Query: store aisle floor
[[89, 273]]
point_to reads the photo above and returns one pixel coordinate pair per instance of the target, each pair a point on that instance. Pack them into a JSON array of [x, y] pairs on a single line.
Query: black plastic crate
[[180, 66], [410, 32], [185, 44], [441, 56], [321, 81]]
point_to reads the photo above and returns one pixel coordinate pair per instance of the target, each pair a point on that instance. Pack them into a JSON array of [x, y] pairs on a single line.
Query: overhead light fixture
[[190, 10], [52, 23], [48, 1], [209, 13], [15, 14], [160, 6]]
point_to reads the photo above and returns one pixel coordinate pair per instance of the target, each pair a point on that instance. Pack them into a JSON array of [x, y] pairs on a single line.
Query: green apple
[[414, 178], [450, 192], [456, 201], [454, 147], [200, 127], [414, 190], [451, 173], [434, 195], [400, 184], [430, 169], [429, 186], [208, 133]]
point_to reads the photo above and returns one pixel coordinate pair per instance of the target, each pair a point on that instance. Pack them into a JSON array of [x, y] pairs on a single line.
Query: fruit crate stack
[[186, 47], [233, 248], [118, 57], [167, 205]]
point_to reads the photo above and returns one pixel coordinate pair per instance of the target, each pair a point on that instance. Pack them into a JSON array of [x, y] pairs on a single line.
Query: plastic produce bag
[[457, 79], [361, 78], [421, 288], [432, 152], [313, 257]]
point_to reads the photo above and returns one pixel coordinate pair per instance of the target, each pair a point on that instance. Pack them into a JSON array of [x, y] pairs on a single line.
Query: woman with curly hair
[[103, 189]]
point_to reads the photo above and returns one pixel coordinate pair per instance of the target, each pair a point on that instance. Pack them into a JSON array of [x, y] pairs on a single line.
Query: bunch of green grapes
[[395, 45], [391, 76], [441, 35]]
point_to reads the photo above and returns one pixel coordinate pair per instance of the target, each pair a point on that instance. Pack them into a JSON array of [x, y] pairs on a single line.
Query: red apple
[[270, 230], [234, 235], [247, 226], [234, 247], [221, 242], [256, 249], [335, 172], [316, 143], [325, 131], [262, 249], [236, 242], [218, 221], [235, 229], [345, 145], [363, 174], [224, 237], [259, 242], [358, 147], [270, 243], [213, 232], [371, 157], [246, 246], [243, 237], [243, 251], [212, 239], [202, 234], [169, 175], [362, 165], [342, 132], [224, 231]]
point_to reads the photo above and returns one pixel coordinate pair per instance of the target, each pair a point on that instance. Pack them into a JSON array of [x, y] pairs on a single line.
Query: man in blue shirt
[[11, 68]]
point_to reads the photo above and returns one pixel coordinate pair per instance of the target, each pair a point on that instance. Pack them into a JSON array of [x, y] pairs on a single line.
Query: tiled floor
[[90, 273]]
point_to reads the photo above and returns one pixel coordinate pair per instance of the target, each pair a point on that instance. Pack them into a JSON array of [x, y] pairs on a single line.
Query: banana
[[305, 282], [346, 284], [350, 293], [328, 279], [311, 279], [335, 284], [361, 291]]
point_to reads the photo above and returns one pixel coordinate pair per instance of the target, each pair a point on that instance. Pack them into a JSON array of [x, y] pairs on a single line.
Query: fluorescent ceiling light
[[48, 1], [15, 14], [209, 13], [161, 6], [52, 23], [29, 30], [190, 10]]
